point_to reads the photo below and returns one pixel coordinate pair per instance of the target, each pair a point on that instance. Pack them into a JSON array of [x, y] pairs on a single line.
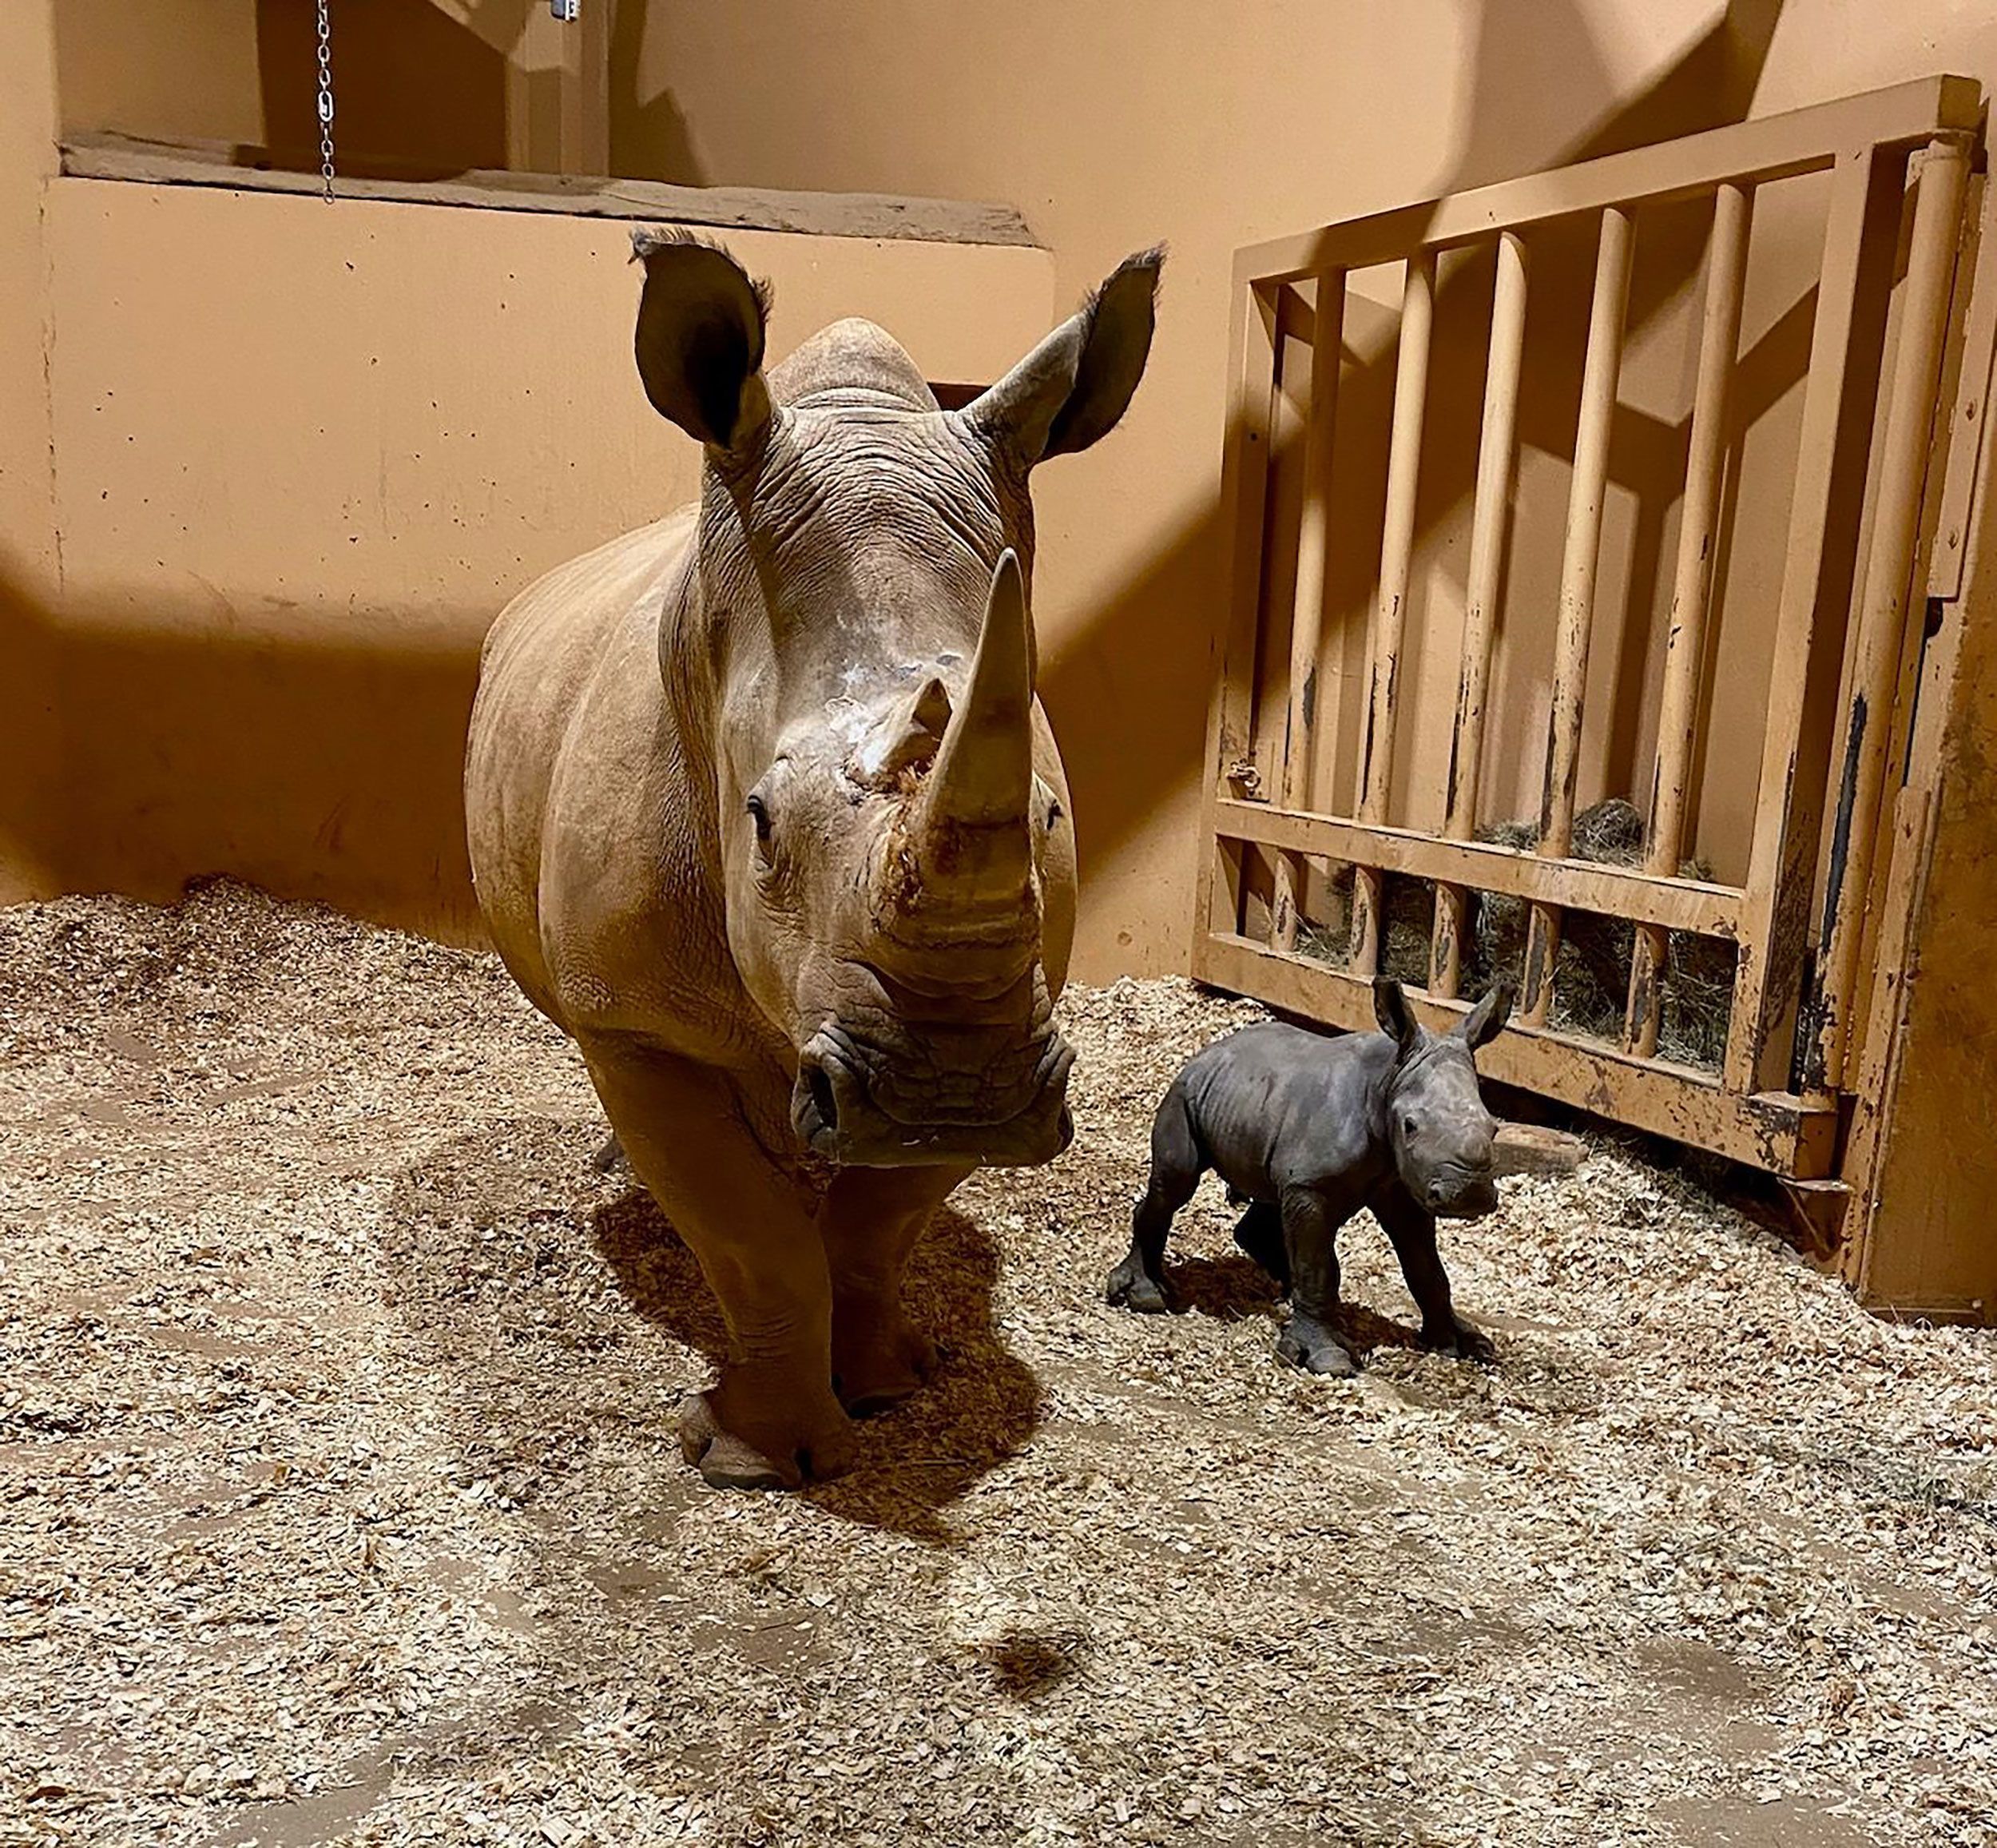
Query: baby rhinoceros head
[[1441, 1133]]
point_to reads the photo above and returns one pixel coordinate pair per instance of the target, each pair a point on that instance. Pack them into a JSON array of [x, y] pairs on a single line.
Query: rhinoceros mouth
[[975, 1096]]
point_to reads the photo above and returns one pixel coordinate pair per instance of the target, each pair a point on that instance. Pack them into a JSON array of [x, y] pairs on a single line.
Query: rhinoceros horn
[[970, 832]]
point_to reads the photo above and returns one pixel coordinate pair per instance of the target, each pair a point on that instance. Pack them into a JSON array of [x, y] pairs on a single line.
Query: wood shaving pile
[[340, 1500]]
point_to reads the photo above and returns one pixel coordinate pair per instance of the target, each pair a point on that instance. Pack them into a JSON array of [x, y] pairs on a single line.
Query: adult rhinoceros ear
[[1070, 390], [700, 338]]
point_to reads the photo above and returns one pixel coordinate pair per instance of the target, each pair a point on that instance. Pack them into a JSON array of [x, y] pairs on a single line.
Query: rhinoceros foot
[[873, 1368], [1135, 1285], [742, 1438]]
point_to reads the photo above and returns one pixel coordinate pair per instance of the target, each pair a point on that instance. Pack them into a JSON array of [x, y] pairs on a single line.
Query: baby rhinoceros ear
[[1396, 1019], [1487, 1020]]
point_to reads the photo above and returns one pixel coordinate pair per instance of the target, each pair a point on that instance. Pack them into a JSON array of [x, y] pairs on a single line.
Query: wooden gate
[[1846, 628]]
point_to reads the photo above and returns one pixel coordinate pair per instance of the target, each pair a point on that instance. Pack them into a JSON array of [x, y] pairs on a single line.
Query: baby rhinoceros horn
[[973, 846]]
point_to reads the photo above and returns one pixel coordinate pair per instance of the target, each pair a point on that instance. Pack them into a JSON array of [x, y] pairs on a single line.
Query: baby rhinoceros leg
[[1310, 1236], [1138, 1281], [1259, 1232], [1411, 1231]]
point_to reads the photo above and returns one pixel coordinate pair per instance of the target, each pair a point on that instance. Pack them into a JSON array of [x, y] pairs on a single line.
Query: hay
[[1591, 973], [343, 1506]]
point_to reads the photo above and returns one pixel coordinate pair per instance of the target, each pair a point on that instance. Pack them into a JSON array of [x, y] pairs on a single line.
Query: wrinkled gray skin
[[1305, 1131], [763, 812]]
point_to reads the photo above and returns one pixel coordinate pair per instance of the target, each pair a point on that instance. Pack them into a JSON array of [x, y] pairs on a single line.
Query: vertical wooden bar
[[1244, 472], [1397, 546], [1902, 464], [1586, 499], [1854, 288], [1691, 593], [1495, 457], [1306, 618]]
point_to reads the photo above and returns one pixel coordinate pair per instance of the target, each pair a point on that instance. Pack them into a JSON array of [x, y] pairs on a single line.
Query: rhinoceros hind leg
[[871, 1221], [1259, 1232], [771, 1419]]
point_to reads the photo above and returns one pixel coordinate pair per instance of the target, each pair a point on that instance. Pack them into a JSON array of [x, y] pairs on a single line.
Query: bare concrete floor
[[340, 1501]]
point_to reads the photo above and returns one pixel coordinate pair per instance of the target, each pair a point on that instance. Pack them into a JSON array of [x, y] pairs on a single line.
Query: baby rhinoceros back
[[1305, 1130]]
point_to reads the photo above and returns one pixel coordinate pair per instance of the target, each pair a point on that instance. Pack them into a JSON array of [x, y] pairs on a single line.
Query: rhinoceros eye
[[1407, 1125], [760, 815]]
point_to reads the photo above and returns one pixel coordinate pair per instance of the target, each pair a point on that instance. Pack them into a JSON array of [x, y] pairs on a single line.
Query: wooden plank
[[1496, 454], [1971, 396], [1587, 497], [1691, 594], [1775, 1131], [1832, 453], [1683, 904], [1245, 473], [732, 207], [1396, 553], [1306, 609], [1522, 1148], [1769, 148], [1904, 451]]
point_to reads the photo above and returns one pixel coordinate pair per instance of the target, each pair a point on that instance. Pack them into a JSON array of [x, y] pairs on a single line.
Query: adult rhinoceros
[[763, 813]]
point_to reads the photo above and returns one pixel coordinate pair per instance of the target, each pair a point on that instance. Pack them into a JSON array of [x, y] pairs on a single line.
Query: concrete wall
[[1119, 123]]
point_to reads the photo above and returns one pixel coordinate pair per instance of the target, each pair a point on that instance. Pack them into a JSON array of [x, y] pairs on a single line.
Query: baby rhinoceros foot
[[877, 1368], [1306, 1342], [1461, 1341], [1132, 1286], [743, 1434]]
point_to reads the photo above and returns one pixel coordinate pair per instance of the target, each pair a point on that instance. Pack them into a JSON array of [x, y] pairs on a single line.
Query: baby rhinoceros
[[1307, 1130]]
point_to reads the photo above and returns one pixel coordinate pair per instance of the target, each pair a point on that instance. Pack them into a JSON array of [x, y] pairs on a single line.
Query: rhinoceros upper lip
[[869, 1071]]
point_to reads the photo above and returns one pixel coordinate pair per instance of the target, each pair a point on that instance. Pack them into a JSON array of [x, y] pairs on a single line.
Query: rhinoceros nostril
[[823, 1099]]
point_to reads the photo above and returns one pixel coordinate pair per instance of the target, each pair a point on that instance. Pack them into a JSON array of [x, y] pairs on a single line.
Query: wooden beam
[[1901, 470], [1778, 147], [1775, 1131], [1691, 595], [1683, 904], [1396, 553], [1307, 607], [1495, 458], [1812, 606], [870, 215], [1245, 473], [1586, 497]]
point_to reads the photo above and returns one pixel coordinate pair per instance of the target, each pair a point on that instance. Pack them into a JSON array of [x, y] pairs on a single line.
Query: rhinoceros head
[[889, 808], [1441, 1133]]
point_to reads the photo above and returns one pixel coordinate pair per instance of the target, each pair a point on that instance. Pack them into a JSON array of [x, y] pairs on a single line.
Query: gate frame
[[1746, 1110]]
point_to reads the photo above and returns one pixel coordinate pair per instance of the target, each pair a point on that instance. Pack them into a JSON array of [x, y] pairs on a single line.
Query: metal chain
[[326, 99]]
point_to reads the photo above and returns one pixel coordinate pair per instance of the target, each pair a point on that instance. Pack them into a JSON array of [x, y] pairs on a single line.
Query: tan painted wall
[[1116, 124], [28, 553], [304, 455]]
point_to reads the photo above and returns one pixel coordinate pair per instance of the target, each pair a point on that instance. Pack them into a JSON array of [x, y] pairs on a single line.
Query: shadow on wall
[[317, 768], [418, 94], [659, 126], [1711, 85], [29, 743]]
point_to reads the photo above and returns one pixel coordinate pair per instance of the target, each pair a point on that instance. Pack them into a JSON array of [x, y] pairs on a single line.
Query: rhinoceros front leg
[[772, 1419], [871, 1221]]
